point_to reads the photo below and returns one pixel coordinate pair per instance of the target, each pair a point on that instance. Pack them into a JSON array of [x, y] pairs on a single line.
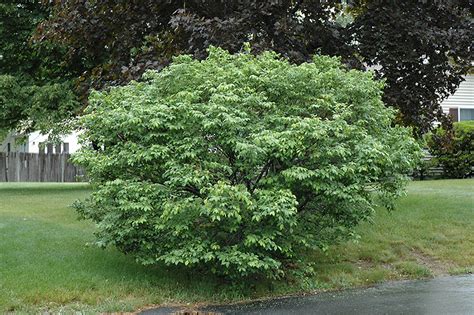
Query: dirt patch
[[437, 267], [364, 264]]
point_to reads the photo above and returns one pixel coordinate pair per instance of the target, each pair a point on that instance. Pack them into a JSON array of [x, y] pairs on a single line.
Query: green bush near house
[[238, 164], [454, 150]]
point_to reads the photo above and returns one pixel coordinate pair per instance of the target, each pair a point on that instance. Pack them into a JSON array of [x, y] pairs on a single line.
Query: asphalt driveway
[[446, 295]]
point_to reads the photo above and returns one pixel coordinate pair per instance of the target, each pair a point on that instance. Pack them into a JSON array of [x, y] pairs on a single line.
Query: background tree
[[420, 49], [121, 39], [35, 82]]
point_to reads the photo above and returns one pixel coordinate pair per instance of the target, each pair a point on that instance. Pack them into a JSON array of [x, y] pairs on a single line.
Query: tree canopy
[[36, 89], [421, 51], [421, 48]]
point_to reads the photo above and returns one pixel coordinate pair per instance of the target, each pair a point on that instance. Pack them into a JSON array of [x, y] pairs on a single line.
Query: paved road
[[447, 295]]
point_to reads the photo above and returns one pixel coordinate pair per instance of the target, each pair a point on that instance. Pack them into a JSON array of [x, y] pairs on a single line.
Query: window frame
[[464, 107]]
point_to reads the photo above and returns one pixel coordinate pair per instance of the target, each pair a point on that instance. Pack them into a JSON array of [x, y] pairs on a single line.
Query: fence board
[[3, 167], [32, 167]]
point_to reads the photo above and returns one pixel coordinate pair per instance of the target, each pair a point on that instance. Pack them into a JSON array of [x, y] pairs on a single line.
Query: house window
[[466, 114], [9, 147], [65, 147]]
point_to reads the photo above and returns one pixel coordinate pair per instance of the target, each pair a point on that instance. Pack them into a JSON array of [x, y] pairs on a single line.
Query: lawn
[[47, 261]]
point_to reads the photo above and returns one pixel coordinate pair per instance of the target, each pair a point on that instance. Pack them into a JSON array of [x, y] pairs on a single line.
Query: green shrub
[[454, 149], [238, 164]]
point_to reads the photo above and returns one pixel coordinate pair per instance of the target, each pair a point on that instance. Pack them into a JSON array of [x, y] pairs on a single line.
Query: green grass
[[46, 262]]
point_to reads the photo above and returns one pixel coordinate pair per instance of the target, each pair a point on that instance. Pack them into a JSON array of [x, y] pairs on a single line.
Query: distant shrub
[[239, 163], [427, 167], [454, 149]]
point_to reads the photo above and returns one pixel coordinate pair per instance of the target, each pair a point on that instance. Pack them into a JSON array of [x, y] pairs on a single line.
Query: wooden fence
[[32, 167]]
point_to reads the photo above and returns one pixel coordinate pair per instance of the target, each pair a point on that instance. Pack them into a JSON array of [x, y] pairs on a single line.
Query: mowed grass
[[47, 261], [430, 233]]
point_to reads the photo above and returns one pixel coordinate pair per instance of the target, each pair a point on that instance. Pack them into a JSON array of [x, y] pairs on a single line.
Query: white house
[[36, 143], [460, 105]]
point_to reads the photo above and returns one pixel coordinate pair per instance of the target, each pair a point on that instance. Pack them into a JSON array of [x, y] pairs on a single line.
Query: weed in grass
[[412, 270], [461, 271]]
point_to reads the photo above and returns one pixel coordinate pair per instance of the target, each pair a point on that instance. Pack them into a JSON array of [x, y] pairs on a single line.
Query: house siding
[[462, 98]]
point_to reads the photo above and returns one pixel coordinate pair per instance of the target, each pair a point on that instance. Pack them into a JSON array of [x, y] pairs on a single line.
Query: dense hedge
[[239, 163], [454, 149]]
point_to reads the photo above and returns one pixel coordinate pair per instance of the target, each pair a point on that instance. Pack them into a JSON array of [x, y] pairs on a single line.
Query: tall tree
[[35, 83], [121, 39], [420, 49]]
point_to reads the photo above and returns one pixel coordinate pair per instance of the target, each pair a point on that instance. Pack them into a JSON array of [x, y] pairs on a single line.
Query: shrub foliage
[[239, 163], [454, 149]]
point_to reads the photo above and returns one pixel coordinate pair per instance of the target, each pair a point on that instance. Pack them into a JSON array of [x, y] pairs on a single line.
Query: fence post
[[7, 166], [3, 167], [18, 167]]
